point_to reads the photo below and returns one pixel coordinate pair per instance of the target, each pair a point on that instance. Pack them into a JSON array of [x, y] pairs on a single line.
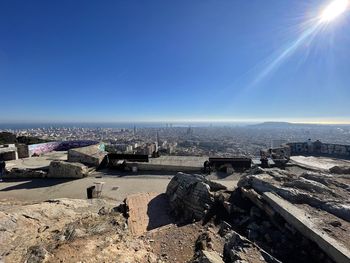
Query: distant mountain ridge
[[280, 125]]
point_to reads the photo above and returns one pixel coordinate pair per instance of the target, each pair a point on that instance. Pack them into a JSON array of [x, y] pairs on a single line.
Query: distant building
[[129, 148], [158, 141]]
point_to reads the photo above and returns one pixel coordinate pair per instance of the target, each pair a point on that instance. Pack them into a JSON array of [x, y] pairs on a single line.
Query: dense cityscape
[[207, 140]]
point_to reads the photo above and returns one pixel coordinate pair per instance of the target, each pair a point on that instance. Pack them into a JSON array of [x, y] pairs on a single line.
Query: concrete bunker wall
[[319, 148], [41, 148]]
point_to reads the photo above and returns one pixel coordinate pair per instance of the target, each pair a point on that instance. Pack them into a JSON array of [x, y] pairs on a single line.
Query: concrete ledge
[[299, 219]]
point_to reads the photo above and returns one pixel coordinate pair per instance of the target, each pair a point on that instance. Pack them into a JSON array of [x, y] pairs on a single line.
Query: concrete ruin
[[310, 148], [62, 169], [91, 155], [286, 216]]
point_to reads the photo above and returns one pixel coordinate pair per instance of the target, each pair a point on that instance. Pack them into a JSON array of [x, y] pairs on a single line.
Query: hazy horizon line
[[320, 121]]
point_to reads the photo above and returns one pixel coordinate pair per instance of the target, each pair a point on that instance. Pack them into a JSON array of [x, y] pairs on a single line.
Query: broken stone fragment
[[37, 254], [209, 257]]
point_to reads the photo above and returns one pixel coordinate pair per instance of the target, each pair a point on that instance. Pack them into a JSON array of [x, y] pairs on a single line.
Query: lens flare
[[330, 13], [333, 10]]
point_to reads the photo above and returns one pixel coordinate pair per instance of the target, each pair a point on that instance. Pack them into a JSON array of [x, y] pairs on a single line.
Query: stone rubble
[[253, 231]]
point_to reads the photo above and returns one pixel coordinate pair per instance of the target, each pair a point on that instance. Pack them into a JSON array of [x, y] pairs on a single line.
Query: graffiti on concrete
[[40, 148]]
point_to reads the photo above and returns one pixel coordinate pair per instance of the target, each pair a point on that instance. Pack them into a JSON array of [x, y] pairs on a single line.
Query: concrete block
[[61, 169]]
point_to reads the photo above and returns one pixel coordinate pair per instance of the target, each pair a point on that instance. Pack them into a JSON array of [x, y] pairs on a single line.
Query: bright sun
[[333, 10]]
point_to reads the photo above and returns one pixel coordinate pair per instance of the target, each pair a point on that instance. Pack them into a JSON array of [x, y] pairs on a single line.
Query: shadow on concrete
[[118, 173], [32, 183], [158, 212], [221, 175]]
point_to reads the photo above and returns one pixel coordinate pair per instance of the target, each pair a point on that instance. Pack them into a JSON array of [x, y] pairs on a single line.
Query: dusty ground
[[172, 243], [115, 188], [178, 243], [67, 230], [72, 230], [334, 226]]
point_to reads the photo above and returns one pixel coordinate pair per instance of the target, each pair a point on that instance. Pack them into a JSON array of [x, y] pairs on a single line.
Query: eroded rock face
[[340, 170], [62, 169], [322, 191], [191, 196]]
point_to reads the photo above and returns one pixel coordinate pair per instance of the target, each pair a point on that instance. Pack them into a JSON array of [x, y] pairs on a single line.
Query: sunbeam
[[331, 12]]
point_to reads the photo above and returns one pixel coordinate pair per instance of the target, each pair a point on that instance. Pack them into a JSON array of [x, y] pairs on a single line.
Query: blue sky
[[171, 60]]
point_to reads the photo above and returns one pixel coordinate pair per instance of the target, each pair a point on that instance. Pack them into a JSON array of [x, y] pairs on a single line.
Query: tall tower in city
[[158, 141], [134, 129]]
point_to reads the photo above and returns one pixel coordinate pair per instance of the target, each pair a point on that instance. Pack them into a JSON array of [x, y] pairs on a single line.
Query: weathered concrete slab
[[61, 169], [147, 211], [319, 163], [300, 220], [89, 155]]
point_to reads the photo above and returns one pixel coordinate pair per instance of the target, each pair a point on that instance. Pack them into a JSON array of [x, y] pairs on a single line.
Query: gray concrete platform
[[41, 162], [115, 188]]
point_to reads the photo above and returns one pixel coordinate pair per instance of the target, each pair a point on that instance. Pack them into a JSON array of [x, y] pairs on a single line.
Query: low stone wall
[[62, 169], [164, 167]]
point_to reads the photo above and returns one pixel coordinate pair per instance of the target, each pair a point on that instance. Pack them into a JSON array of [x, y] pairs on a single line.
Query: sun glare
[[333, 10]]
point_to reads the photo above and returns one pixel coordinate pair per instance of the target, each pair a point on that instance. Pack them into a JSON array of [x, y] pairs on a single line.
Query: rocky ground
[[196, 221], [68, 230]]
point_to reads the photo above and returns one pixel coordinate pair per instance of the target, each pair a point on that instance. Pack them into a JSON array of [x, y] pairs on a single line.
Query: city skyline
[[183, 61]]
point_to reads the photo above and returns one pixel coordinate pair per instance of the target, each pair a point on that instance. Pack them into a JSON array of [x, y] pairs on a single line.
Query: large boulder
[[62, 169], [191, 196]]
